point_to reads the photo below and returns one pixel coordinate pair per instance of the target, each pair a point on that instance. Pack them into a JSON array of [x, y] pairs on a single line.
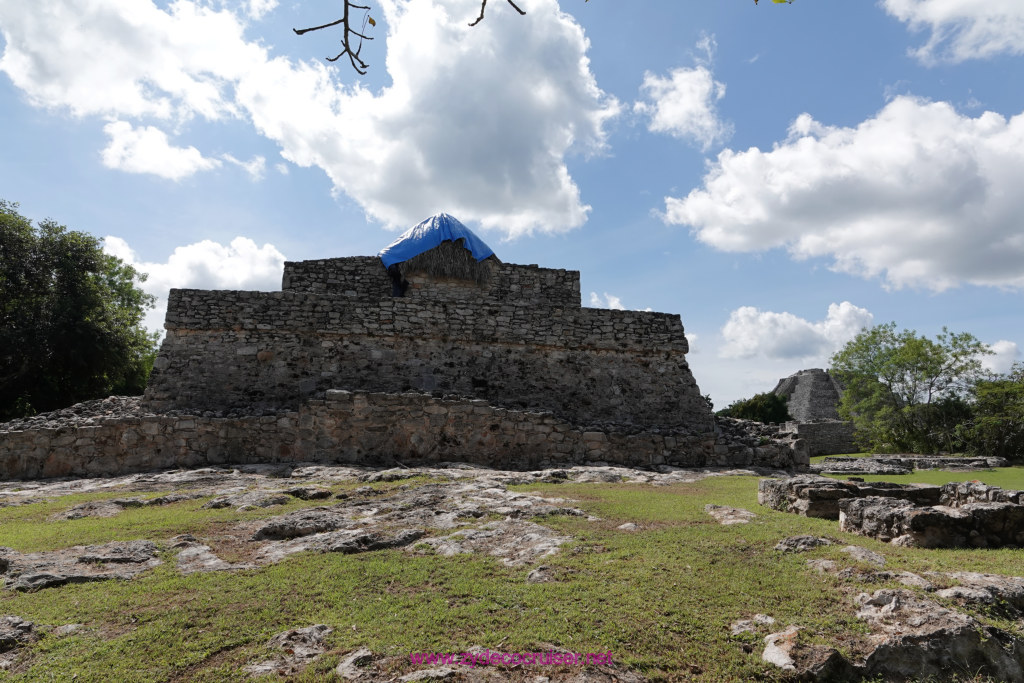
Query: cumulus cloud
[[607, 301], [203, 265], [918, 195], [1005, 353], [683, 103], [147, 150], [477, 122], [962, 30], [750, 333]]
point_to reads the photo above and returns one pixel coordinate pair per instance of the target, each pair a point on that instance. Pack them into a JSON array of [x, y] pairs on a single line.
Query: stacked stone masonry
[[511, 373], [361, 428], [812, 399], [228, 348]]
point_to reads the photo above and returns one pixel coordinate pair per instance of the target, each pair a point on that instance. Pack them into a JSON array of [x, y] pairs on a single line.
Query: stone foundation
[[815, 496], [824, 437], [367, 429]]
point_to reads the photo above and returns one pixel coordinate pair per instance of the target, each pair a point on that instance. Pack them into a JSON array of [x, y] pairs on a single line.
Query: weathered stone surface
[[300, 646], [917, 638], [756, 623], [812, 495], [353, 666], [863, 555], [114, 560], [1004, 594], [729, 515], [778, 648], [978, 525], [110, 508], [799, 544], [15, 632], [248, 500]]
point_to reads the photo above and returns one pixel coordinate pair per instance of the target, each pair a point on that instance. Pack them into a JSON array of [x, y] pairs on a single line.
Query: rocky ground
[[451, 510]]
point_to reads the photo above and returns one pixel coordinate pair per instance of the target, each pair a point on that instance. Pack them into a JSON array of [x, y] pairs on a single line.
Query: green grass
[[660, 599]]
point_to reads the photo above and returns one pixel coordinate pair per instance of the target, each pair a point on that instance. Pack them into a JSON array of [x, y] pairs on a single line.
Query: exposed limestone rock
[[751, 625], [728, 515], [917, 638], [799, 544], [248, 501], [863, 555], [779, 647], [114, 560], [300, 646], [354, 665], [114, 506], [516, 543], [15, 631], [1003, 593], [194, 557]]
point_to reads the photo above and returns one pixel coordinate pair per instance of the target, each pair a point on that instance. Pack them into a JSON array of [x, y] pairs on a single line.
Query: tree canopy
[[905, 392], [766, 407], [70, 318]]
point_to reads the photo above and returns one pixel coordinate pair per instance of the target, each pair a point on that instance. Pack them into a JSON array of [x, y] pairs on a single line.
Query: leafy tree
[[70, 318], [997, 426], [905, 392], [766, 407]]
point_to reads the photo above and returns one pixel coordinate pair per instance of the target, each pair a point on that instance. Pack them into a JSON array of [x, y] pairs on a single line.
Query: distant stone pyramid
[[812, 395]]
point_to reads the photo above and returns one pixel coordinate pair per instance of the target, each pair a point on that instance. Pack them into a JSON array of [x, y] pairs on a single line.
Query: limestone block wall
[[226, 348], [363, 277], [367, 429], [824, 437]]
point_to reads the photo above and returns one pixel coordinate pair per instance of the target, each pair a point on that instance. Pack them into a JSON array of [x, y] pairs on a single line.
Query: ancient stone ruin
[[955, 515], [812, 398], [476, 360]]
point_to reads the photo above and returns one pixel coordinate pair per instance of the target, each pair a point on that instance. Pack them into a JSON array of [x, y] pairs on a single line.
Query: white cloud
[[282, 168], [751, 333], [1005, 354], [257, 9], [919, 195], [683, 104], [255, 167], [147, 150], [962, 30], [203, 265], [608, 301], [477, 121]]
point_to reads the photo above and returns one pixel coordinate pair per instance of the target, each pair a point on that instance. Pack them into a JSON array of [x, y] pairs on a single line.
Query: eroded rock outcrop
[[812, 495]]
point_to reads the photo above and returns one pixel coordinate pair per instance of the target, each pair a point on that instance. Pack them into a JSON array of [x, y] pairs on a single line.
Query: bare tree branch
[[346, 37], [483, 6]]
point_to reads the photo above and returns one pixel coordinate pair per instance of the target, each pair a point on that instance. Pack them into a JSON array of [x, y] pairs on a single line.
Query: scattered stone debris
[[728, 515], [114, 560], [628, 526], [308, 493], [1004, 594], [799, 544], [778, 648], [301, 646], [541, 574]]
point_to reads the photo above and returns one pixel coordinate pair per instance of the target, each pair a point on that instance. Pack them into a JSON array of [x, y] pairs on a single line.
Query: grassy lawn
[[661, 599]]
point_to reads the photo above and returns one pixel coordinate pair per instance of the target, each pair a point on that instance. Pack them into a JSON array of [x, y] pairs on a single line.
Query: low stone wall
[[971, 525], [825, 437], [904, 464], [368, 429], [815, 496]]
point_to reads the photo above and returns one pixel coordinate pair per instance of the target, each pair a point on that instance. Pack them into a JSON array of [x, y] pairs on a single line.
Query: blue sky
[[778, 175]]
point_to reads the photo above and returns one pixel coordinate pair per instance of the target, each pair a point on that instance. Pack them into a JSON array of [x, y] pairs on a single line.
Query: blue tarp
[[430, 233]]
